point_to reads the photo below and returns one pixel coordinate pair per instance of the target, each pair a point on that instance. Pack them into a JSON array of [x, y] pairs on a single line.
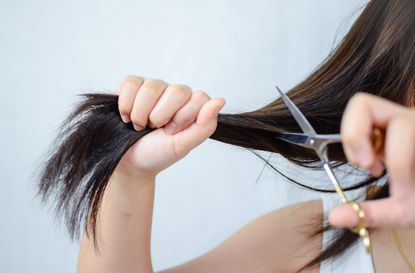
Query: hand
[[183, 119], [363, 112]]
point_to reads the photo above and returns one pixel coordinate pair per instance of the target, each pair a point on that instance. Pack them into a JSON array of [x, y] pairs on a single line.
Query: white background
[[50, 51]]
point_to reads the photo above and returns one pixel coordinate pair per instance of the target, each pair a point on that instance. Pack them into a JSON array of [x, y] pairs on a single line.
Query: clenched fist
[[183, 119]]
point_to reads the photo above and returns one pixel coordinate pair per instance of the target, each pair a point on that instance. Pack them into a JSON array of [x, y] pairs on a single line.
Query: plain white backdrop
[[50, 51]]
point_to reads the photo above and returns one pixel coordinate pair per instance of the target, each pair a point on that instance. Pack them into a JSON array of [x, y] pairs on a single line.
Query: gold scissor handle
[[361, 229], [378, 139], [378, 143]]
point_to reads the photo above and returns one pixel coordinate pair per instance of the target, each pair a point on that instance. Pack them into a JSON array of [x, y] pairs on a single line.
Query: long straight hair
[[376, 56]]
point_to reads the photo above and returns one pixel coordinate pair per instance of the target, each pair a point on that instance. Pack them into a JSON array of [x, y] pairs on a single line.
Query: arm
[[278, 241], [181, 120], [124, 228]]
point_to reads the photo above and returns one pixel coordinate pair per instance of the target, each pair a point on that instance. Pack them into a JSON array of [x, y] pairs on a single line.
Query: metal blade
[[334, 181], [299, 117], [294, 138]]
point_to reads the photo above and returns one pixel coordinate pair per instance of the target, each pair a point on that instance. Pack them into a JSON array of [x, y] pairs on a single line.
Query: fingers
[[188, 113], [199, 131], [126, 95], [156, 104], [147, 96], [400, 153], [362, 113], [172, 99], [393, 211]]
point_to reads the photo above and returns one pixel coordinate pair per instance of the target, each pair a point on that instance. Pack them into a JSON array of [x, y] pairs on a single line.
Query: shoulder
[[290, 234], [284, 239], [280, 241], [296, 215]]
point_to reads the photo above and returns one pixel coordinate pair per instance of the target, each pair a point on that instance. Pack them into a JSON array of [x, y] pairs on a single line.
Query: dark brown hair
[[376, 56]]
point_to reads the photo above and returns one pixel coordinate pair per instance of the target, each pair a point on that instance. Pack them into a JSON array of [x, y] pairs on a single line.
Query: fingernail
[[171, 127], [125, 118], [137, 127]]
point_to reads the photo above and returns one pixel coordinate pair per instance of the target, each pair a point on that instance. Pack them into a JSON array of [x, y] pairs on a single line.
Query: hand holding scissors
[[363, 112], [318, 142], [364, 115]]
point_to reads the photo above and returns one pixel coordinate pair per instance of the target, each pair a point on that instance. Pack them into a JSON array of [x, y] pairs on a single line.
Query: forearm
[[124, 228]]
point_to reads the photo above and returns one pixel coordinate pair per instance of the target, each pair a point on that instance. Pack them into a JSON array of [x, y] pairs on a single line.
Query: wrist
[[125, 188], [128, 190], [127, 173]]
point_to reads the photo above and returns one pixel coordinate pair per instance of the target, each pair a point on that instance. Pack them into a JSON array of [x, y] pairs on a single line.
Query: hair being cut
[[376, 56]]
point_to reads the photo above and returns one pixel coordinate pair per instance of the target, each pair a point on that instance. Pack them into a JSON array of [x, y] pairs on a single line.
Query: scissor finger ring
[[360, 229]]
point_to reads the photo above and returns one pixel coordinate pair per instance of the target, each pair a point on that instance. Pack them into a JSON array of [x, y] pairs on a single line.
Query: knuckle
[[130, 85], [152, 86], [149, 82], [151, 91], [128, 78], [357, 102], [361, 98], [155, 119], [131, 79], [180, 89], [201, 95]]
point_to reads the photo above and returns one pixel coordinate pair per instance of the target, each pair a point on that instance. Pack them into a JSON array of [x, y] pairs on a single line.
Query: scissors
[[318, 142]]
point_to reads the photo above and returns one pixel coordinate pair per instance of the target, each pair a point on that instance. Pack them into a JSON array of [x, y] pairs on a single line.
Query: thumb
[[201, 129]]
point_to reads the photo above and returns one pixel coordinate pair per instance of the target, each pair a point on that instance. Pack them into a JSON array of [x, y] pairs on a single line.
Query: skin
[[363, 112], [279, 241]]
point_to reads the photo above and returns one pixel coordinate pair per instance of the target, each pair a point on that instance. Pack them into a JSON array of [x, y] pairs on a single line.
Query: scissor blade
[[334, 181], [299, 117], [295, 138]]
